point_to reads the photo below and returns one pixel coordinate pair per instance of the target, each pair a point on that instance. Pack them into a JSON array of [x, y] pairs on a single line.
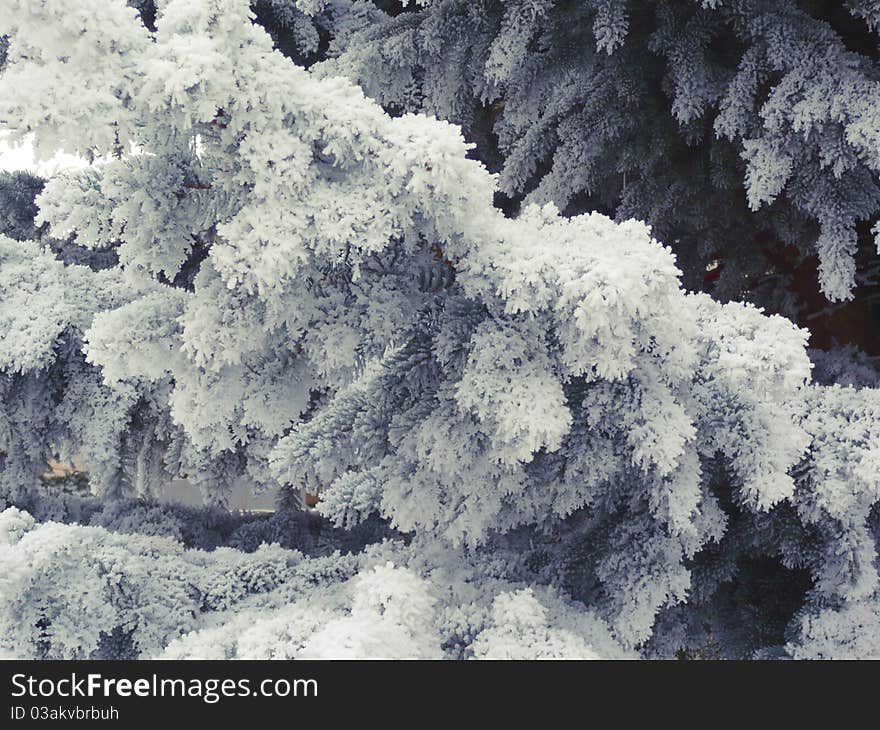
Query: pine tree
[[586, 458]]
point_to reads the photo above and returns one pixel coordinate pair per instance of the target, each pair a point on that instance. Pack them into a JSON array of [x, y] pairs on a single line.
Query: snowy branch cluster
[[266, 275]]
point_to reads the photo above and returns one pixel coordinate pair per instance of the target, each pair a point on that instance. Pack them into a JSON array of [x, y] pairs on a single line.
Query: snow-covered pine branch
[[312, 293]]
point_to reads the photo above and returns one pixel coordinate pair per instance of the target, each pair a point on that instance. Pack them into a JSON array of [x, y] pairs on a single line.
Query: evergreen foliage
[[585, 458]]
